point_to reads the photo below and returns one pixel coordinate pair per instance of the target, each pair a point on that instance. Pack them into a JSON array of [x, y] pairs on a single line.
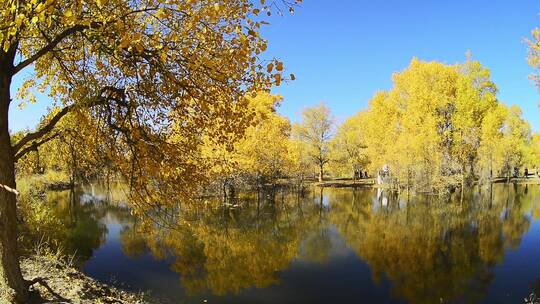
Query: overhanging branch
[[34, 146], [70, 31], [42, 131], [105, 94], [50, 46]]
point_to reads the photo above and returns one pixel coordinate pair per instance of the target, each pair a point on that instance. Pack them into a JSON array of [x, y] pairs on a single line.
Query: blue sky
[[342, 52]]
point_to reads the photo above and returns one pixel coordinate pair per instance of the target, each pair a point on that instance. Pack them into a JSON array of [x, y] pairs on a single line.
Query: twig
[[9, 189], [43, 283]]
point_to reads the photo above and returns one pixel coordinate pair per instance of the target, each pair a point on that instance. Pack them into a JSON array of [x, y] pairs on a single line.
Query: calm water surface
[[331, 246]]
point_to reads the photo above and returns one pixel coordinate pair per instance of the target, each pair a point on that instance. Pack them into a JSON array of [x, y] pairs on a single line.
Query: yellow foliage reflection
[[430, 249]]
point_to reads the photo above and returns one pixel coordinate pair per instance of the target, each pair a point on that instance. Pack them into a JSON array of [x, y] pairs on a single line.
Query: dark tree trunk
[[321, 173], [13, 288]]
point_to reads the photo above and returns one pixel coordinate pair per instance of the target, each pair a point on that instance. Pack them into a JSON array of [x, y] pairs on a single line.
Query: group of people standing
[[361, 174]]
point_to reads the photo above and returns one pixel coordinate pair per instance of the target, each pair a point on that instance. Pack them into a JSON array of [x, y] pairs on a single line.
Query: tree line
[[439, 126]]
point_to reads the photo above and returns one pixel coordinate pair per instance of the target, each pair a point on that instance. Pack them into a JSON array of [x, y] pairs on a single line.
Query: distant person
[[365, 174], [526, 173]]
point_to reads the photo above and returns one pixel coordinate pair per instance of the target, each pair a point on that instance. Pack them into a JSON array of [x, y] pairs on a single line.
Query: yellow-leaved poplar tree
[[315, 132], [260, 156], [348, 148], [263, 150], [505, 142], [438, 125]]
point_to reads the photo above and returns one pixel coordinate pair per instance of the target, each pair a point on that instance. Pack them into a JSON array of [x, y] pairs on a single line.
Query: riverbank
[[58, 282], [342, 183], [531, 179], [370, 182]]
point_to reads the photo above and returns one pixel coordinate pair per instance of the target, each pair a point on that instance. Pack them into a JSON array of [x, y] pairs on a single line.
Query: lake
[[328, 246]]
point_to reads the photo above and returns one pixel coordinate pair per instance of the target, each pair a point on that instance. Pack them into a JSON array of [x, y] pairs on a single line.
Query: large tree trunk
[[321, 173], [13, 288]]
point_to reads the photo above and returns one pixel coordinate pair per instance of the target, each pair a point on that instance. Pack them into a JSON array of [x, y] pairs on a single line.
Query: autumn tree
[[134, 67], [347, 153], [315, 131], [505, 143], [70, 148], [533, 57], [301, 166], [532, 153], [475, 98], [263, 150], [414, 114], [257, 158], [428, 128]]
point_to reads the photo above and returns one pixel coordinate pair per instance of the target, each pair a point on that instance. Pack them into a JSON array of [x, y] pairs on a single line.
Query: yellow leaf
[[161, 14], [136, 37], [277, 78]]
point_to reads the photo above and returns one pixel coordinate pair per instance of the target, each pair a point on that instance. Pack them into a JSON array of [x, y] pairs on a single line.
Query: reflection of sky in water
[[518, 271], [338, 275]]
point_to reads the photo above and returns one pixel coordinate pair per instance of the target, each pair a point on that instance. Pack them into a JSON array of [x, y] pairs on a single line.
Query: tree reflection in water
[[225, 250], [83, 217], [431, 250]]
